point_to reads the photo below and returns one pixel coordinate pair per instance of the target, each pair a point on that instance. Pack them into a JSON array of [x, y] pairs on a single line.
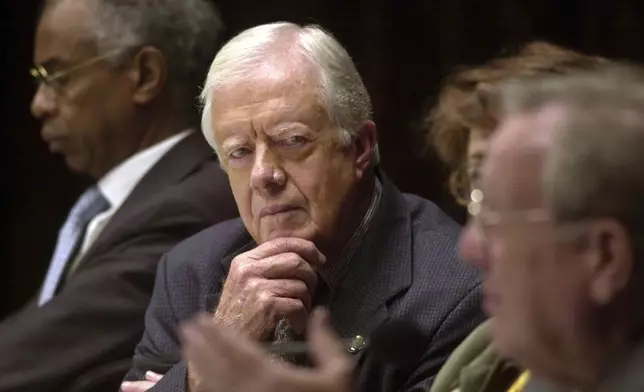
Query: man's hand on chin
[[273, 281], [230, 361]]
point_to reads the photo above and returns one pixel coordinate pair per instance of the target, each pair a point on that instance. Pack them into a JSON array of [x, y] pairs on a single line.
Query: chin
[[76, 164], [506, 340], [294, 232]]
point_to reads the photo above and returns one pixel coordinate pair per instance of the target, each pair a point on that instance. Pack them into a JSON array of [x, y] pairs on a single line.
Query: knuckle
[[301, 287], [309, 246], [253, 285], [243, 268], [293, 259], [298, 306], [265, 299], [279, 243]]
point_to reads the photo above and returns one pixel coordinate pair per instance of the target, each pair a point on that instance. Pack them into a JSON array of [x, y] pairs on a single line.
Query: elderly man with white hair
[[556, 226], [321, 225]]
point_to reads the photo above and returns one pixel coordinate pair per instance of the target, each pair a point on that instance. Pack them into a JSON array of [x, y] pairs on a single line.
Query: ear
[[148, 74], [365, 145], [610, 258]]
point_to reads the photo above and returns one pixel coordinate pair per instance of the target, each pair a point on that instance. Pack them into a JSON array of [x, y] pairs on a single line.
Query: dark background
[[401, 47]]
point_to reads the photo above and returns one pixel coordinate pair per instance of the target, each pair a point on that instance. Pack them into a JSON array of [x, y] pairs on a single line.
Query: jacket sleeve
[[159, 349]]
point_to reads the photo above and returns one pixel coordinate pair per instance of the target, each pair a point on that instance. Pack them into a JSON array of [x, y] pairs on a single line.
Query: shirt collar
[[335, 271], [117, 184]]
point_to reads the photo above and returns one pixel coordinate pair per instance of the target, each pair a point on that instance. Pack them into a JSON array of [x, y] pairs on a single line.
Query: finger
[[295, 311], [152, 376], [200, 351], [288, 288], [305, 248], [288, 266], [327, 349], [136, 386], [216, 344]]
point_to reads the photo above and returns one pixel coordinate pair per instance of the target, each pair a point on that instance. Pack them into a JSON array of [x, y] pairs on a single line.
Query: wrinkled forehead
[[513, 172], [267, 95]]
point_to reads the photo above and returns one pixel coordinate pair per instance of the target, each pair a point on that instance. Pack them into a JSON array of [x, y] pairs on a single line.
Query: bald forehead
[[528, 131], [517, 154]]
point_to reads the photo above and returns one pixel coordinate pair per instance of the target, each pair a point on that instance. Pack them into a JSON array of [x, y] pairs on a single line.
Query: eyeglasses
[[52, 80], [483, 219]]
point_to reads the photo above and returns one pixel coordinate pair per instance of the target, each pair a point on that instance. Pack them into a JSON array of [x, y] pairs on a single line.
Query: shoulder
[[198, 200], [476, 352], [477, 343], [205, 189], [429, 219], [216, 240], [439, 276], [200, 255], [435, 240]]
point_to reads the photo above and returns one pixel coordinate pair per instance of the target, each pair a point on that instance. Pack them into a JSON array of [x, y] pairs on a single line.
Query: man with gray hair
[[321, 225], [117, 82], [556, 227]]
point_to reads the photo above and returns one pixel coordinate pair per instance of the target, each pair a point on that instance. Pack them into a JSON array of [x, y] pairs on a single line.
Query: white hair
[[341, 89]]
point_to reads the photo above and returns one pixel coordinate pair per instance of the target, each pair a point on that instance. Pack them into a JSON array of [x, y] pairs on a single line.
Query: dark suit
[[97, 316], [405, 267]]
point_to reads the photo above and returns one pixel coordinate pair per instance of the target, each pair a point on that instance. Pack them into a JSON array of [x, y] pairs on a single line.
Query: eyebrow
[[286, 127], [232, 142]]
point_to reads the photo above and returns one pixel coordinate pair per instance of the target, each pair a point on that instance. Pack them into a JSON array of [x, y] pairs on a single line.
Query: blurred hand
[[229, 361], [151, 379], [273, 281]]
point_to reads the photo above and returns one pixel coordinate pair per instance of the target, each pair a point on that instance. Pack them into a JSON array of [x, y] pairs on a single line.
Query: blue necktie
[[90, 204]]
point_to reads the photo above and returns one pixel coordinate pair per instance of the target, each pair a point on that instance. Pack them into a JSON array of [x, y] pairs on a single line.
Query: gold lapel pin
[[357, 344]]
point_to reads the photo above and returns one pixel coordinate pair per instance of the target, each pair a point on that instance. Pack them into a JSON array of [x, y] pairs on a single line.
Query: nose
[[43, 103], [471, 247], [267, 175]]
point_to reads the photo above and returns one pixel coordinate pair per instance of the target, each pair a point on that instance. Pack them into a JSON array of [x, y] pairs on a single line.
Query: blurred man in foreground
[[116, 87], [321, 225], [462, 123], [556, 227]]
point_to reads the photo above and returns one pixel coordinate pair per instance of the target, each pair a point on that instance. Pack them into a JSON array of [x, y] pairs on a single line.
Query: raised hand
[[273, 281], [228, 361]]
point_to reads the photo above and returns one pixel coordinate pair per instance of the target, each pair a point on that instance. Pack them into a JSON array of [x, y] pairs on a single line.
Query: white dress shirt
[[119, 182]]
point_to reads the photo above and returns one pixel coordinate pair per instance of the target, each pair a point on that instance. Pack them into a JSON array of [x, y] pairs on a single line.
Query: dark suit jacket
[[405, 267], [97, 316]]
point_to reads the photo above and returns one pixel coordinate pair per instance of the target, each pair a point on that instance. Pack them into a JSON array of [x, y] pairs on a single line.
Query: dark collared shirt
[[336, 269]]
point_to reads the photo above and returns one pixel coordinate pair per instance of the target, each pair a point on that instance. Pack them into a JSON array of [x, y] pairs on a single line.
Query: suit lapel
[[173, 167], [379, 271]]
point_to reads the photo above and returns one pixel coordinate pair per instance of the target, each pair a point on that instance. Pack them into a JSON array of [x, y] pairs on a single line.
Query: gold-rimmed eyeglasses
[[52, 79]]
